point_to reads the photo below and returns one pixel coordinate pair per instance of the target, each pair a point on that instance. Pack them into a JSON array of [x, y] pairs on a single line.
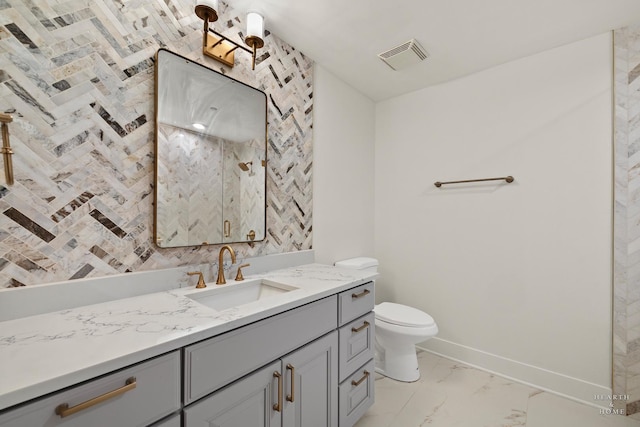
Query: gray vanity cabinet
[[311, 384], [357, 336], [246, 402], [310, 366], [216, 362], [174, 421], [134, 397], [300, 390]]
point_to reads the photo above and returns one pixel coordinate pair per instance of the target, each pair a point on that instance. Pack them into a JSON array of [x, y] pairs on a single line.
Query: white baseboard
[[540, 378]]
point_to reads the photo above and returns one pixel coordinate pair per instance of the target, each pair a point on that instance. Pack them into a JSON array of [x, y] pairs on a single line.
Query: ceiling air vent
[[406, 54]]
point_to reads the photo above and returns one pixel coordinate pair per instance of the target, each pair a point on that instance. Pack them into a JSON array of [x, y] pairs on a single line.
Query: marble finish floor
[[452, 394]]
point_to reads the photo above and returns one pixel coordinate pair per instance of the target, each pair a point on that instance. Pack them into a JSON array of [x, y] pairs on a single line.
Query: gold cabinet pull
[[364, 377], [290, 397], [227, 228], [64, 411], [364, 326], [361, 294], [278, 406]]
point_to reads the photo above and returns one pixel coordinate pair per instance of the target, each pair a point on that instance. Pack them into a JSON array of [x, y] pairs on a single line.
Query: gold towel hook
[[6, 150]]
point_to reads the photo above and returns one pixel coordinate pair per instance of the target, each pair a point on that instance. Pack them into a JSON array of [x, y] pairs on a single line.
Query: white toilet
[[398, 329]]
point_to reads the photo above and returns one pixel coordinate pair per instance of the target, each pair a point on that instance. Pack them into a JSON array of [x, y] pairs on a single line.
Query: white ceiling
[[461, 36]]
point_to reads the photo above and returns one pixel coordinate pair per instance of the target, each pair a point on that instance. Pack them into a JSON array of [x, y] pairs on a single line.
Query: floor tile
[[453, 394]]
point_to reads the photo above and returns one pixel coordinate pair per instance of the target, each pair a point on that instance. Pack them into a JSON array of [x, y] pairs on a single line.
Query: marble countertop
[[47, 352]]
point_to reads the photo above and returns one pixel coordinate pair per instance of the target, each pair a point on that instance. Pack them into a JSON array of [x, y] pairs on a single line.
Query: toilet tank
[[360, 263]]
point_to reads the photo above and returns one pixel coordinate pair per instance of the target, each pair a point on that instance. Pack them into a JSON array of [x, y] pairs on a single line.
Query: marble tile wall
[[77, 76], [626, 230]]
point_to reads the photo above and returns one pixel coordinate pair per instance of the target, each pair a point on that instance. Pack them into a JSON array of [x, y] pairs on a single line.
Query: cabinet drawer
[[156, 393], [356, 395], [214, 363], [356, 340], [355, 302]]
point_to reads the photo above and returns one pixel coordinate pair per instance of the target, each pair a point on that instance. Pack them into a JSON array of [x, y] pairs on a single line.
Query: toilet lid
[[402, 315]]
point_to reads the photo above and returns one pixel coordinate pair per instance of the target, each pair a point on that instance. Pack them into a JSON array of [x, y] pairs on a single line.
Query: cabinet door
[[247, 402], [311, 384]]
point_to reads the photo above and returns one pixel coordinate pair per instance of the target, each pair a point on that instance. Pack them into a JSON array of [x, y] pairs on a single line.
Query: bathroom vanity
[[299, 352]]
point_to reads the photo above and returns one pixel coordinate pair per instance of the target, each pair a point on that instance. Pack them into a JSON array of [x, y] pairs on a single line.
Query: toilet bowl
[[398, 329]]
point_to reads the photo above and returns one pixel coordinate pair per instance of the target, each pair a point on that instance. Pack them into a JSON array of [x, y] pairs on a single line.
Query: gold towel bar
[[506, 178]]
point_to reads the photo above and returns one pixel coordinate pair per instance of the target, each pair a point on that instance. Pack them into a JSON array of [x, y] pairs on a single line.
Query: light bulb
[[213, 4]]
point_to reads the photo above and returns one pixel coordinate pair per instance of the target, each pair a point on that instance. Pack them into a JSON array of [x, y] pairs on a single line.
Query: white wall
[[517, 276], [343, 170]]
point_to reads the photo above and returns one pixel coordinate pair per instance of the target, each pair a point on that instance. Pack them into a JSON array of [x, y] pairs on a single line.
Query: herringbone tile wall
[[77, 76], [626, 229]]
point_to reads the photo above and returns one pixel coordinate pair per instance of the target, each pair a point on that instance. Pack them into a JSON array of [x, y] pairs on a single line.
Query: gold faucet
[[239, 275], [201, 283], [220, 280]]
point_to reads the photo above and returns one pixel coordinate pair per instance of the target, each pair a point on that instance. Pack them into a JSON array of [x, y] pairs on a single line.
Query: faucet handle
[[239, 275], [201, 283]]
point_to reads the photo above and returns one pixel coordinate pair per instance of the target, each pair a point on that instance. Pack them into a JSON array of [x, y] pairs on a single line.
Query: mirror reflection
[[210, 156]]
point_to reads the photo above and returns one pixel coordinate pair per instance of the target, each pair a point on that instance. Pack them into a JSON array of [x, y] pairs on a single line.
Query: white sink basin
[[234, 294]]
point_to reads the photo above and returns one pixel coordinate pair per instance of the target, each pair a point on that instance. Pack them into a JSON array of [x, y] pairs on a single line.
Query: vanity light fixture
[[255, 34], [219, 47]]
